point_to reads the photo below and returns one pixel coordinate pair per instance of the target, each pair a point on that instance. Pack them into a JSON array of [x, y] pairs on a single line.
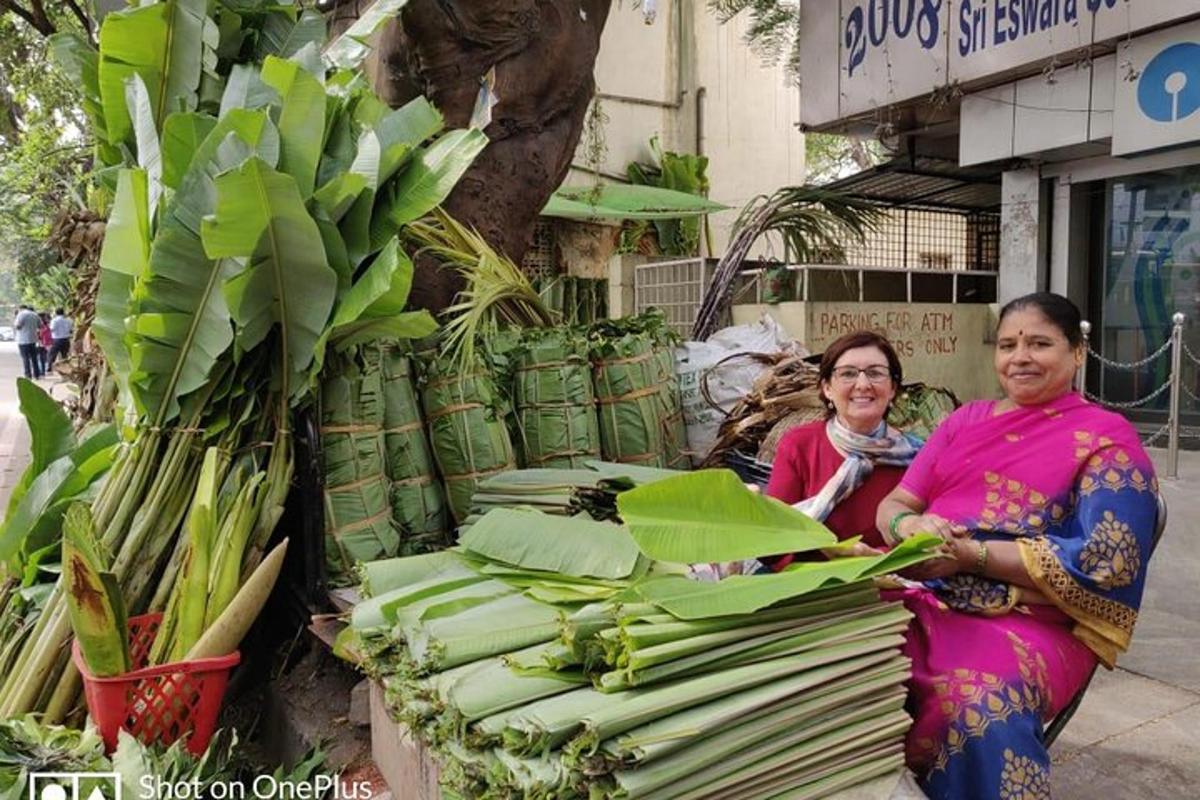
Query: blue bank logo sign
[[1168, 89], [1161, 107]]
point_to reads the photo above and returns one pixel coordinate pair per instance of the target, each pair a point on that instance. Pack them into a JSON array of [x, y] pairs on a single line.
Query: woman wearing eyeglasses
[[839, 469]]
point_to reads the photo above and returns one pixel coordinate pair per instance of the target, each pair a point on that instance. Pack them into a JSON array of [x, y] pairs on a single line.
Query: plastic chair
[[1056, 725]]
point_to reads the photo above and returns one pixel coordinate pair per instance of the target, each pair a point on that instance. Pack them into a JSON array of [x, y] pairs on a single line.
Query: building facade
[[1087, 111], [700, 88]]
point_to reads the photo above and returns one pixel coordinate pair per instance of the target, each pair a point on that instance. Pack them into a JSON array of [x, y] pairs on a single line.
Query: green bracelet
[[893, 533]]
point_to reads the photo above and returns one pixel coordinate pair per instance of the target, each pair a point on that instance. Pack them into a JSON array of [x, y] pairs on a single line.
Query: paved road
[[14, 436]]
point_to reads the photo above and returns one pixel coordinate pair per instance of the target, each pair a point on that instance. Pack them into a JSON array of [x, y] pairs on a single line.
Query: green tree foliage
[[44, 143], [774, 27]]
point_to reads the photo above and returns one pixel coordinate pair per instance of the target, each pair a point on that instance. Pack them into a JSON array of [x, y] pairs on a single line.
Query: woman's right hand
[[930, 523]]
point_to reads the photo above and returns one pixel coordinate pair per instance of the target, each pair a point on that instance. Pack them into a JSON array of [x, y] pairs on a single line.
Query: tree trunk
[[543, 52]]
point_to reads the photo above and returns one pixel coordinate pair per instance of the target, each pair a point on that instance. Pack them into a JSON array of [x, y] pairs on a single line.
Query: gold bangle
[[981, 559]]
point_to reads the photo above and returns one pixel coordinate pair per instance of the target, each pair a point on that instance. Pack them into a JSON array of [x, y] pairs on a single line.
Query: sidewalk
[[1135, 735]]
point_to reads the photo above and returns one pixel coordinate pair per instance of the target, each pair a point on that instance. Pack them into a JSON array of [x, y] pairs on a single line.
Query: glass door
[[1151, 269]]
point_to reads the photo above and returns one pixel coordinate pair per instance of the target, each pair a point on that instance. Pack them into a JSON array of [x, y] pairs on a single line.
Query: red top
[[805, 460], [44, 338]]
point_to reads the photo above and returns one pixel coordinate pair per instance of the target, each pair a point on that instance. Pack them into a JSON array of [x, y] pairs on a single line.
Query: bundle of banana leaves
[[418, 499], [558, 657], [358, 502], [260, 189], [637, 392], [465, 411], [553, 400]]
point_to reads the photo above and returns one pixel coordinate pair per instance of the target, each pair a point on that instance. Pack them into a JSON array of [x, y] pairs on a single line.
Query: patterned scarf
[[884, 445]]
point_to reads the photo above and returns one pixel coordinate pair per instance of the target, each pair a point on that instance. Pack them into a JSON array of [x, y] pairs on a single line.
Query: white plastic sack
[[730, 382]]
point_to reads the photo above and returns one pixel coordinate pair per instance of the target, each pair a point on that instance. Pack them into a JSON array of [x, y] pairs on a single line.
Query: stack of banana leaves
[[260, 187], [565, 492], [559, 657], [637, 392]]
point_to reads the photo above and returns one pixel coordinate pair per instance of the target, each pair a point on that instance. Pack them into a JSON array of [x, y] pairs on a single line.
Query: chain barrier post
[[1176, 383], [1081, 375]]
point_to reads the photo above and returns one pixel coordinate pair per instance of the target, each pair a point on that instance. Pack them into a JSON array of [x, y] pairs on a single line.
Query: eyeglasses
[[874, 375]]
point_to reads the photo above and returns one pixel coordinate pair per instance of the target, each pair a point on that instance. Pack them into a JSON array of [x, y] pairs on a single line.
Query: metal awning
[[925, 183]]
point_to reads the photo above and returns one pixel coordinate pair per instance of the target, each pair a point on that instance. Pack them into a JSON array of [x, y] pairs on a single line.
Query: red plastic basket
[[158, 705]]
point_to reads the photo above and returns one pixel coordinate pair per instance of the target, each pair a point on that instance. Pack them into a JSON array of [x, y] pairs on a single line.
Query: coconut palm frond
[[497, 294], [815, 224]]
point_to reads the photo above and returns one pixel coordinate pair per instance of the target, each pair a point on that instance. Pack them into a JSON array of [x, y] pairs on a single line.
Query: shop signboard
[[888, 51], [1156, 103]]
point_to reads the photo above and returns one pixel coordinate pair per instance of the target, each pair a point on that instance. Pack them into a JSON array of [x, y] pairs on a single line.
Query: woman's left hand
[[857, 549]]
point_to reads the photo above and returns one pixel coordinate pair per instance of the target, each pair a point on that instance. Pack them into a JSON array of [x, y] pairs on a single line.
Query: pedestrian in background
[[27, 323], [44, 341], [61, 329]]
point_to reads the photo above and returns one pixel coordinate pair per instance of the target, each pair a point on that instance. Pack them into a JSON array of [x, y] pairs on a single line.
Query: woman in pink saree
[[1047, 504]]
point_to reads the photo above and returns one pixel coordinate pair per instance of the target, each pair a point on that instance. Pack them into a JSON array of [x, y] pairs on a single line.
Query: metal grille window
[[675, 287], [931, 239]]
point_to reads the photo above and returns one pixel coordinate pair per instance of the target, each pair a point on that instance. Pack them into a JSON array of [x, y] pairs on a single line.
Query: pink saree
[[1072, 485]]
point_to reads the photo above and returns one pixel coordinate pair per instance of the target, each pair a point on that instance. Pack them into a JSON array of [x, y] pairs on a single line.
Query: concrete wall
[[941, 344], [651, 78]]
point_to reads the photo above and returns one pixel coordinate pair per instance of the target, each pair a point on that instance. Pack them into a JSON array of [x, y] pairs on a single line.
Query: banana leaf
[[287, 282], [394, 573], [628, 710], [124, 256], [371, 612], [823, 776], [717, 651], [502, 625], [350, 48], [492, 686], [744, 594], [34, 522], [710, 516], [622, 201], [571, 546], [51, 436], [94, 601], [178, 326], [301, 119], [440, 597], [165, 44]]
